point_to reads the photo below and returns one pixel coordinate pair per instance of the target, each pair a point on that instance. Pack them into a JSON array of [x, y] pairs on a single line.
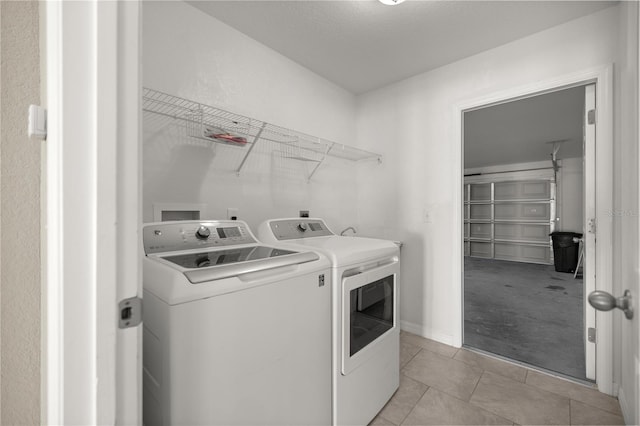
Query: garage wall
[[190, 54], [570, 195], [413, 122]]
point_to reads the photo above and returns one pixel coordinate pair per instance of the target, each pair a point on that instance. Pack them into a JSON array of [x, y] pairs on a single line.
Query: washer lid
[[204, 259], [202, 266]]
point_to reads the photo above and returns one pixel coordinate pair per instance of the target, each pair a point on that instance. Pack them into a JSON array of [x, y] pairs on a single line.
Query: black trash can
[[565, 251]]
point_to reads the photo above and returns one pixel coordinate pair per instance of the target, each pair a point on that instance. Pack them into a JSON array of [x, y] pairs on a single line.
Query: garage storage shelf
[[510, 220], [238, 132]]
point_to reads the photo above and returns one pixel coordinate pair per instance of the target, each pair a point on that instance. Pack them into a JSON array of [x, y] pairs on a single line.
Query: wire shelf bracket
[[253, 145]]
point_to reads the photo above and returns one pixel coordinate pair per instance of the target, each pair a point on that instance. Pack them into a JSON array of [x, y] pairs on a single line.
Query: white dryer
[[365, 332], [235, 332]]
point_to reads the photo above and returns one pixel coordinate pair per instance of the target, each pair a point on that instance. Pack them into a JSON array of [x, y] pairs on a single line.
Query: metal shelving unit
[[200, 122]]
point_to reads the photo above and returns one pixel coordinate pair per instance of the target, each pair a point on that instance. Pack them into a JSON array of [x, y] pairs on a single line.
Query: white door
[[93, 367], [629, 221], [589, 257]]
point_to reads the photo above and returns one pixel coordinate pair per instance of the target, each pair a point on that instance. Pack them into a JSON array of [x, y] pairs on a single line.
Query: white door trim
[[93, 203], [603, 77], [589, 265]]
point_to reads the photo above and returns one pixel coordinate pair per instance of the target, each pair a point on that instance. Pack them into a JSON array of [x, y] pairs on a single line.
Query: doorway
[[524, 180]]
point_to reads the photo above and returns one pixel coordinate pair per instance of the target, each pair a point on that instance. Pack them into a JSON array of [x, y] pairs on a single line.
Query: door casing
[[91, 368], [602, 76]]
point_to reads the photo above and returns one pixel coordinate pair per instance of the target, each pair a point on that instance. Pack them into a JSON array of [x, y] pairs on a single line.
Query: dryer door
[[368, 312]]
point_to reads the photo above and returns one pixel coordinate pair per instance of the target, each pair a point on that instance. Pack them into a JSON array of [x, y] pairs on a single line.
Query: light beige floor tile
[[405, 398], [583, 414], [519, 402], [574, 391], [380, 421], [430, 345], [445, 374], [437, 408], [407, 352], [492, 364]]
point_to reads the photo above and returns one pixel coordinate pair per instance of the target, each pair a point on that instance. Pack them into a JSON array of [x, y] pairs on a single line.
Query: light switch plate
[[37, 122]]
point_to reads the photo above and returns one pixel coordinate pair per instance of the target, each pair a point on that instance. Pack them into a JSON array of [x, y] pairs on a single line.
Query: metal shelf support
[[253, 145]]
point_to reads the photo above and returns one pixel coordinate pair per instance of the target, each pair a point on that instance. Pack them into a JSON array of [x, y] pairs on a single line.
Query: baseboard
[[427, 333], [627, 409]]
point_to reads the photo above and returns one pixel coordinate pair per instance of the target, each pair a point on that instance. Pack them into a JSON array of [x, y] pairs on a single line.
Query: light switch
[[37, 122]]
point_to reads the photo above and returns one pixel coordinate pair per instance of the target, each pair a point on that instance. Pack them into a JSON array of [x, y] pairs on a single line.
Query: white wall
[[190, 54], [413, 122], [570, 195]]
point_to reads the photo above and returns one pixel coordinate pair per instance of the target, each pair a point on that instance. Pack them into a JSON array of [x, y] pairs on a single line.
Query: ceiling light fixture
[[391, 2]]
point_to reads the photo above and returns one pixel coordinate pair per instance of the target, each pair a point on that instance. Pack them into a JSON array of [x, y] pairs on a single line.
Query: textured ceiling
[[518, 131], [363, 45]]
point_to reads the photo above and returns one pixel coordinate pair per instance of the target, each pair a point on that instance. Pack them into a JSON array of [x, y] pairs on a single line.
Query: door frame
[[91, 368], [602, 76]]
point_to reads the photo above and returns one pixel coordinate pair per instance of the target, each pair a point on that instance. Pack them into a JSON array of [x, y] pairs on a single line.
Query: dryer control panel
[[289, 229], [188, 235]]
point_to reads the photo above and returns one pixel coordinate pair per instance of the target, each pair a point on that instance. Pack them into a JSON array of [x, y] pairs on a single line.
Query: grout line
[[386, 420], [526, 376], [414, 405], [567, 396], [411, 359], [487, 408], [476, 386]]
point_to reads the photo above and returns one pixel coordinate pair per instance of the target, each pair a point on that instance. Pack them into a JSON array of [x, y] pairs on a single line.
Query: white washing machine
[[235, 332], [365, 332]]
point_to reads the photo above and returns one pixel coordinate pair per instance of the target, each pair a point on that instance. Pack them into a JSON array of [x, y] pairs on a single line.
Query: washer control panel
[[188, 235], [289, 229]]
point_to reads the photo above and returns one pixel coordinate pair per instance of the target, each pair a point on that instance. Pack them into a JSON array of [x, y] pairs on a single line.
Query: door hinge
[[591, 116], [591, 334], [591, 226], [130, 312]]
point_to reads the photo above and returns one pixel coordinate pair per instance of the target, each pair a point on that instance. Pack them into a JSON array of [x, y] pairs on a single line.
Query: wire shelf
[[206, 123]]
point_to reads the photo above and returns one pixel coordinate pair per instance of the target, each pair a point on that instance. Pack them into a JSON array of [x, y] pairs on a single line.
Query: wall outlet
[[232, 213]]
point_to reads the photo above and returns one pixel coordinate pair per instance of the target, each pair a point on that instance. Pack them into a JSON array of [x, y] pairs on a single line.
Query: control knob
[[302, 226], [203, 233]]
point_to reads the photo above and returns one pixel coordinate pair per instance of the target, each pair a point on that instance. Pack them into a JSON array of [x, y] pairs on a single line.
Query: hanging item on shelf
[[212, 124], [221, 135]]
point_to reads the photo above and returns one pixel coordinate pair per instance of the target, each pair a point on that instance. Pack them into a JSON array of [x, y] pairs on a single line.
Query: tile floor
[[443, 385]]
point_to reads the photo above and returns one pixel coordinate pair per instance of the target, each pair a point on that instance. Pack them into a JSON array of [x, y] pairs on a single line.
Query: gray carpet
[[526, 312]]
